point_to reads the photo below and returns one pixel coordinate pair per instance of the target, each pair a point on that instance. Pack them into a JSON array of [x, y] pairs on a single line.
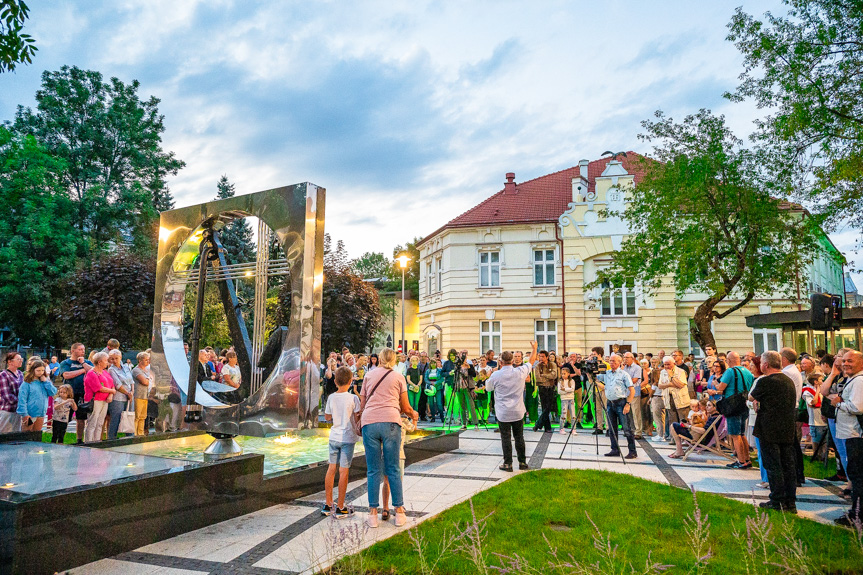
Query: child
[[697, 415], [340, 408], [817, 426], [63, 406], [33, 396], [407, 426], [566, 391]]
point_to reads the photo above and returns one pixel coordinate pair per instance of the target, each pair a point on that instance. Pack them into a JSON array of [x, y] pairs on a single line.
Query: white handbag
[[127, 418]]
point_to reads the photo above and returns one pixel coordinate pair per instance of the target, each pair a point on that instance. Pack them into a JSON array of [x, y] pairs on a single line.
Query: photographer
[[620, 392], [593, 367]]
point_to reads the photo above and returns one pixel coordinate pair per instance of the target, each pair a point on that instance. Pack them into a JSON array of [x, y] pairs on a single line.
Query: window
[[543, 267], [439, 266], [489, 336], [429, 279], [618, 300], [546, 334], [489, 269], [766, 340]]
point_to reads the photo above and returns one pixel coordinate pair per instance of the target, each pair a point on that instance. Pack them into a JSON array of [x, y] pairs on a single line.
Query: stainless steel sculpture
[[288, 398]]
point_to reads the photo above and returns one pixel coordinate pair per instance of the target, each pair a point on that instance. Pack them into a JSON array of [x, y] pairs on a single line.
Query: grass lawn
[[638, 515]]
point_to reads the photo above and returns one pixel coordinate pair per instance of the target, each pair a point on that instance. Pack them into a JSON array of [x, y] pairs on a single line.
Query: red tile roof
[[542, 199]]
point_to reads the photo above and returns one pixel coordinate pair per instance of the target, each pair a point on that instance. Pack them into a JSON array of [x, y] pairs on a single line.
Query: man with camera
[[507, 383], [620, 393], [593, 367]]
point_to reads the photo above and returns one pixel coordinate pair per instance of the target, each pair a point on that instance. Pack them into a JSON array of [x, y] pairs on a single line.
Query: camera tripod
[[590, 388]]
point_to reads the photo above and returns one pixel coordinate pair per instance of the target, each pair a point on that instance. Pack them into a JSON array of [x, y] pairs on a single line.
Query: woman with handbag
[[383, 398], [98, 389], [123, 384]]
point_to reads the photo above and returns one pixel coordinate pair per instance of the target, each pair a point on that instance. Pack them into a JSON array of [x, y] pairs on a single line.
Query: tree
[[806, 69], [350, 306], [412, 273], [112, 297], [237, 236], [373, 265], [704, 218], [15, 47], [38, 241], [114, 168]]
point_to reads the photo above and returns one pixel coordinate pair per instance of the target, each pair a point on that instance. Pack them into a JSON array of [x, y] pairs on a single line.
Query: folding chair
[[716, 443]]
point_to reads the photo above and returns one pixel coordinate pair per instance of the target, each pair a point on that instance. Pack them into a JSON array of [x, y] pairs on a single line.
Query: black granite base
[[60, 530]]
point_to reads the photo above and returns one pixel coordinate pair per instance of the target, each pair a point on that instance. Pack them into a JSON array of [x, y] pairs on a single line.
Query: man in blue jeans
[[619, 395]]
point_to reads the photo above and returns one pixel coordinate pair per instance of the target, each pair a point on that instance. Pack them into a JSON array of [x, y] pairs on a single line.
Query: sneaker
[[562, 431], [763, 485], [401, 518], [372, 521], [506, 467], [748, 465], [343, 513], [326, 510], [522, 466], [735, 465]]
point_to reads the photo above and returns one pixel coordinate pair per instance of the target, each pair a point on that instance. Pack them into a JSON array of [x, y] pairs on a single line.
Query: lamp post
[[403, 263]]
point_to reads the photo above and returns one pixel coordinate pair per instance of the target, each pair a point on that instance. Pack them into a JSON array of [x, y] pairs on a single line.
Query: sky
[[408, 113]]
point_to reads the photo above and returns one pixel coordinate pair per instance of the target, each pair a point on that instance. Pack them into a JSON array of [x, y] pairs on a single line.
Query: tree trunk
[[701, 331]]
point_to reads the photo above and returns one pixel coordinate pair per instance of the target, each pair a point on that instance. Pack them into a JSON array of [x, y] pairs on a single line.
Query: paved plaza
[[295, 538]]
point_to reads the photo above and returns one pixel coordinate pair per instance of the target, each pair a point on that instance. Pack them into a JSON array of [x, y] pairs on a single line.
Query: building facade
[[513, 269]]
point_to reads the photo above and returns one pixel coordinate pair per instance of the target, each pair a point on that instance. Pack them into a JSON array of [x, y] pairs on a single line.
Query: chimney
[[509, 186], [579, 184]]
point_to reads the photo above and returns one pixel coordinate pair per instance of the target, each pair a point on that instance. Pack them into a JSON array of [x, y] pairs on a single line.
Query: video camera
[[593, 366]]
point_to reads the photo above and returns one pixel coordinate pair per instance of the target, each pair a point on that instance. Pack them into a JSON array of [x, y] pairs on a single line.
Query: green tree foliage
[[236, 237], [350, 306], [704, 217], [412, 273], [806, 69], [373, 265], [114, 168], [38, 241], [112, 297], [15, 46]]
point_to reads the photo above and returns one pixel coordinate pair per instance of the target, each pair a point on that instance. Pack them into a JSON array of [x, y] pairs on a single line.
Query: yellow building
[[513, 269]]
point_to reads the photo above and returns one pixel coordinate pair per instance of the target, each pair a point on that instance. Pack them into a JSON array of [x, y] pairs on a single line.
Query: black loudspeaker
[[825, 312]]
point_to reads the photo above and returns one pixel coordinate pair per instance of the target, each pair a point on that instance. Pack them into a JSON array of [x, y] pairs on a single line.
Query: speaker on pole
[[825, 312]]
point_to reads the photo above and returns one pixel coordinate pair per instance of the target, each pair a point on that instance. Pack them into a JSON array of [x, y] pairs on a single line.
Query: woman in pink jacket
[[98, 386]]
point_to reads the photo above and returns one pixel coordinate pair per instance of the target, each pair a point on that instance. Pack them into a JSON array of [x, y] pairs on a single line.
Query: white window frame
[[625, 294], [429, 277], [488, 333], [544, 262], [439, 272], [762, 333], [542, 335], [489, 267]]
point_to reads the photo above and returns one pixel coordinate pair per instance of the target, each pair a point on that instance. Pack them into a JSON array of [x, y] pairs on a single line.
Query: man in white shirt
[[507, 383], [789, 367], [849, 407]]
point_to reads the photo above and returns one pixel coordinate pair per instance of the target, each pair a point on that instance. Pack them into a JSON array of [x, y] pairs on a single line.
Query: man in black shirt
[[775, 428]]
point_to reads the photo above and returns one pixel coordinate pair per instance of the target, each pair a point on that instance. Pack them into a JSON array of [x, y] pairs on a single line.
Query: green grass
[[638, 515]]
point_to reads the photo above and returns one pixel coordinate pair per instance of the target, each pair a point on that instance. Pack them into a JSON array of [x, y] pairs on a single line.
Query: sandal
[[385, 514], [675, 456]]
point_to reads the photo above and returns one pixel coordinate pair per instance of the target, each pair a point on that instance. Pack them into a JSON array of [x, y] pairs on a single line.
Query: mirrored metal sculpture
[[280, 372]]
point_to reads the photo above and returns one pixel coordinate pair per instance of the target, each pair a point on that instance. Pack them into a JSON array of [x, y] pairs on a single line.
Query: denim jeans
[[115, 411], [436, 404], [761, 467], [616, 417], [509, 429], [839, 443], [382, 442], [781, 466]]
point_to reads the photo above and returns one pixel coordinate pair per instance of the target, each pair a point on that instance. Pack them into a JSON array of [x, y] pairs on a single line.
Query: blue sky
[[409, 113]]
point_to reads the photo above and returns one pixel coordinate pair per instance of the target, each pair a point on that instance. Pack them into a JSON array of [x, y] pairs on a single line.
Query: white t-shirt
[[791, 371], [815, 417], [340, 406]]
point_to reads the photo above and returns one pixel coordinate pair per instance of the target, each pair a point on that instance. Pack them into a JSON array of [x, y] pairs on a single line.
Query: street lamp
[[403, 263]]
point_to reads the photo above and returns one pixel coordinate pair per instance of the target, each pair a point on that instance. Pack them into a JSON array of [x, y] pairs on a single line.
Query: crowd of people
[[767, 405], [94, 390]]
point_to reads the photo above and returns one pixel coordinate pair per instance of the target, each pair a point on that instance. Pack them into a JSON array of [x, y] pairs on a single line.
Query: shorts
[[736, 425], [80, 414], [341, 453]]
